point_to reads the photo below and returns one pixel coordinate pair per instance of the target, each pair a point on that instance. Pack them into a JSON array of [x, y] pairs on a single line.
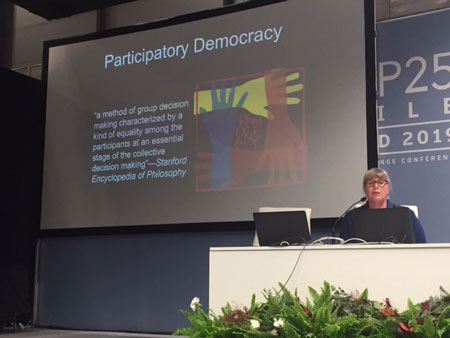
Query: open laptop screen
[[383, 225], [281, 228]]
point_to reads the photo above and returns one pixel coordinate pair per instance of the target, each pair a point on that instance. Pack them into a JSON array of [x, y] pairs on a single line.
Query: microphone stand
[[333, 229]]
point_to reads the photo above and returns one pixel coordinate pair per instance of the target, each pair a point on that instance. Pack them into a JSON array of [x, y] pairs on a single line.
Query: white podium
[[399, 271]]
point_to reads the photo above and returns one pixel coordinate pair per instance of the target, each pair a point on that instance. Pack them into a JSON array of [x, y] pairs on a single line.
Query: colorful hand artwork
[[251, 131]]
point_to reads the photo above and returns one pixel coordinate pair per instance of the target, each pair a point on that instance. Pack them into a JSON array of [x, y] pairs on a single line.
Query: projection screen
[[207, 119]]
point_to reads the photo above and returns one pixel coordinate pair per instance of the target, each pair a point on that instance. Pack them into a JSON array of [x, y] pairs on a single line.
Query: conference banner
[[413, 115]]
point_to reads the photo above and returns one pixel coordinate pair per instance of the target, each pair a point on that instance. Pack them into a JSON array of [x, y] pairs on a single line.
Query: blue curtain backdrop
[[414, 115]]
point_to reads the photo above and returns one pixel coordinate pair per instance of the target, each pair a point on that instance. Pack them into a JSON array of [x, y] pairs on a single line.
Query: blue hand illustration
[[220, 124]]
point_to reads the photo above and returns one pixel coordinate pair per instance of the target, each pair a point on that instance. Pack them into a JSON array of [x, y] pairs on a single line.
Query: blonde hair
[[378, 173]]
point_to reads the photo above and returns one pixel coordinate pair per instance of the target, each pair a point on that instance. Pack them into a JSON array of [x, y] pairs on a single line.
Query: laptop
[[280, 228], [383, 225]]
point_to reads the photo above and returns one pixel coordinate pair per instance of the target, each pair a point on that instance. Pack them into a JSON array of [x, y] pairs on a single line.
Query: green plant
[[329, 313]]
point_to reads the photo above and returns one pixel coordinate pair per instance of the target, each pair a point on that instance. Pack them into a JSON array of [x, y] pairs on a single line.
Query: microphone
[[333, 229]]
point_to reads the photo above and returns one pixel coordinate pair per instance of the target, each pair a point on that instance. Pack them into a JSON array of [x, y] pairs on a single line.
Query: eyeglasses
[[381, 183]]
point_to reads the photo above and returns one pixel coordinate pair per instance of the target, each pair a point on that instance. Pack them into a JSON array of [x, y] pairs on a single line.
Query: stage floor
[[53, 333]]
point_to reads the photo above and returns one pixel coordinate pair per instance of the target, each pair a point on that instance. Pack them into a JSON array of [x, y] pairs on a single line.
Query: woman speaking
[[377, 185]]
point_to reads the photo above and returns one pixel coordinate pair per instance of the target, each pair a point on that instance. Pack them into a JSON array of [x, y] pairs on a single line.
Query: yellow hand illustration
[[275, 87]]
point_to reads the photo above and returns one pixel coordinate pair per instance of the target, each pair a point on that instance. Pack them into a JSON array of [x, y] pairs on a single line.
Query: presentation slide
[[208, 120]]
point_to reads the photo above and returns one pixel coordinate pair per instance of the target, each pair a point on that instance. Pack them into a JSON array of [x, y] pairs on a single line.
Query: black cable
[[295, 267], [333, 229]]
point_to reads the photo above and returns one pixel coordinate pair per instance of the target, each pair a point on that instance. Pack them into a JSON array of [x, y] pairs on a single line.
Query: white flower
[[354, 294], [278, 322], [274, 332], [195, 301], [254, 324]]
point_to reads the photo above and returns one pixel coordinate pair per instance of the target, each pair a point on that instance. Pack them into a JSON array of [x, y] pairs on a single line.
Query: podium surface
[[397, 271]]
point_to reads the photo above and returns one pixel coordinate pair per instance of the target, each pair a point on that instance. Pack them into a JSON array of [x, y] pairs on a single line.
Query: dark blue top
[[346, 225]]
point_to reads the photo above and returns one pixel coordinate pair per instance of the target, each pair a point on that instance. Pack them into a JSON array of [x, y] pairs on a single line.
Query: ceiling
[[388, 9], [55, 9]]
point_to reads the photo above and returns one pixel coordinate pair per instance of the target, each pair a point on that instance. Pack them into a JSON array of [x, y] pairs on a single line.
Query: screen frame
[[318, 223]]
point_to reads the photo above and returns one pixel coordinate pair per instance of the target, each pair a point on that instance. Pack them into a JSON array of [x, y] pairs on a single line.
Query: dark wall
[[22, 148], [126, 282], [6, 33]]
